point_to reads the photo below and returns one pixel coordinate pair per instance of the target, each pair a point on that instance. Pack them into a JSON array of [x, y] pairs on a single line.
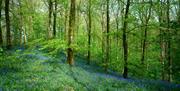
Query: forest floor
[[37, 71]]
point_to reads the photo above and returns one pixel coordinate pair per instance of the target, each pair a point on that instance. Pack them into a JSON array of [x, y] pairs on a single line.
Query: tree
[[1, 37], [145, 22], [169, 43], [162, 42], [125, 43], [89, 32], [103, 30], [55, 15], [8, 32], [107, 35], [50, 2], [70, 55], [165, 42], [21, 24]]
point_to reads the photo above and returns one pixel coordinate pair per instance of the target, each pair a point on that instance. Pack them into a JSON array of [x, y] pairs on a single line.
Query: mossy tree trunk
[[70, 53], [125, 40], [89, 32], [1, 37], [8, 31]]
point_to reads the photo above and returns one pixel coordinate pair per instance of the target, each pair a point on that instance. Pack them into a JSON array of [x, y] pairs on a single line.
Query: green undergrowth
[[35, 71]]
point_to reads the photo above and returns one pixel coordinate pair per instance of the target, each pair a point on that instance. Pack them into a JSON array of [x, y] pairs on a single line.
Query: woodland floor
[[37, 71]]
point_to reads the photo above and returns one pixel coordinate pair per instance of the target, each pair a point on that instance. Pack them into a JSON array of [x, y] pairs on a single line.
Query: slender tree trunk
[[55, 15], [50, 19], [89, 33], [65, 24], [178, 12], [25, 37], [103, 33], [169, 44], [162, 54], [117, 29], [8, 32], [107, 36], [1, 37], [125, 42], [70, 57], [21, 24], [144, 44], [78, 5], [162, 43]]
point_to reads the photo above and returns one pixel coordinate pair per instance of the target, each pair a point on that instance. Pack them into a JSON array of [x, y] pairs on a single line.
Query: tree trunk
[[89, 33], [125, 42], [70, 57], [117, 29], [21, 24], [50, 20], [179, 12], [55, 15], [169, 44], [107, 36], [65, 24], [8, 32], [162, 42], [103, 33], [1, 37], [144, 44]]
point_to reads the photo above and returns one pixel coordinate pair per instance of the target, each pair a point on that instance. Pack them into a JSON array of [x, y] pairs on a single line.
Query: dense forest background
[[134, 38]]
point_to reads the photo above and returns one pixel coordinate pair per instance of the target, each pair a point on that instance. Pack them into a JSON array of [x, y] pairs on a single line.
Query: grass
[[35, 71]]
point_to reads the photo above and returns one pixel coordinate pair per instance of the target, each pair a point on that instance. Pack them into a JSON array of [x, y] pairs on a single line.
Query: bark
[[107, 36], [144, 44], [162, 45], [103, 32], [21, 24], [179, 13], [89, 33], [8, 32], [25, 37], [117, 30], [125, 42], [65, 24], [55, 15], [70, 53], [50, 19], [169, 44], [1, 37]]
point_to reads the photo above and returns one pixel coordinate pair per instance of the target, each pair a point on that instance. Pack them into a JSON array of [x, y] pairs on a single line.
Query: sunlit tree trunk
[[65, 24], [144, 42], [1, 37], [49, 35], [89, 33], [169, 44], [103, 32], [107, 36], [125, 41], [55, 15], [21, 24], [178, 12], [70, 57], [78, 14], [162, 43], [117, 29], [8, 31]]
